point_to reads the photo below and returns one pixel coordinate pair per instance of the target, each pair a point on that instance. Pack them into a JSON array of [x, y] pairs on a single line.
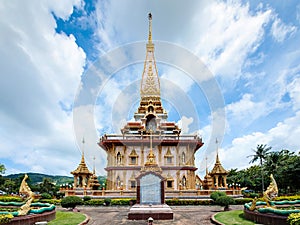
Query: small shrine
[[82, 175], [216, 179]]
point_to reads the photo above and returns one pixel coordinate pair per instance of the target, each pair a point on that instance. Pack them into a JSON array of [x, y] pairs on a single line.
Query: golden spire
[[150, 28], [217, 157], [150, 86]]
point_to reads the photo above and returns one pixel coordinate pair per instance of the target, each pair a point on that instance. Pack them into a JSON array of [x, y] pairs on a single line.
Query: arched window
[[119, 158], [151, 123], [184, 181], [150, 109], [183, 158]]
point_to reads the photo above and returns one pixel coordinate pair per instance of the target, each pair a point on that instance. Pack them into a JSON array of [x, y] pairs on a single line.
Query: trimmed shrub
[[176, 201], [5, 218], [10, 199], [86, 198], [46, 196], [107, 201], [288, 198], [50, 201], [242, 201], [94, 202], [294, 219], [123, 201], [225, 201], [216, 194], [71, 202]]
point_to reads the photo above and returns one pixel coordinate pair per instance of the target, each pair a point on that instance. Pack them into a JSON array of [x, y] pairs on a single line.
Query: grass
[[233, 217], [67, 218]]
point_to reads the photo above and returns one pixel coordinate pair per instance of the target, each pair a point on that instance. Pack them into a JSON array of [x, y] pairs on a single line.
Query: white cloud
[[283, 136], [246, 110], [294, 92], [41, 71], [184, 123], [281, 31], [229, 34]]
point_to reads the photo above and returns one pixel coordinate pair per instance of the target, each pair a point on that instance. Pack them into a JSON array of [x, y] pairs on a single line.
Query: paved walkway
[[190, 215]]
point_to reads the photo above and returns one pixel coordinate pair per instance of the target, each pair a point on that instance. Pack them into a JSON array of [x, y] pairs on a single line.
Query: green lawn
[[67, 218], [233, 217]]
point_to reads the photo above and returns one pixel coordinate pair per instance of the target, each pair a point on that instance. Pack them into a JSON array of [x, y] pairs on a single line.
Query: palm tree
[[261, 154]]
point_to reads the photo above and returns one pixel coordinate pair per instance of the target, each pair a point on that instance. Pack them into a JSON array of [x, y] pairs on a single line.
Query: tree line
[[283, 164]]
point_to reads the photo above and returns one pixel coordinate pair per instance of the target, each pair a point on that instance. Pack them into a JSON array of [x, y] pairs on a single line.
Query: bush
[[10, 199], [288, 198], [107, 201], [46, 196], [94, 202], [242, 201], [225, 201], [120, 201], [216, 194], [71, 202], [86, 198], [5, 218], [176, 201], [294, 219], [50, 201]]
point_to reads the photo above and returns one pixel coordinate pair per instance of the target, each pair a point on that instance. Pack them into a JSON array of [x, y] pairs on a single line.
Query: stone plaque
[[150, 189]]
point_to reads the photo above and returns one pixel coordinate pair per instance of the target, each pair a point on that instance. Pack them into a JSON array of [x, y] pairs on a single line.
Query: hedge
[[188, 202], [10, 199], [294, 219]]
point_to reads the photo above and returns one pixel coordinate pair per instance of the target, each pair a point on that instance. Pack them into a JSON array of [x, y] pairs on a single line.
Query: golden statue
[[269, 195], [272, 191], [25, 189]]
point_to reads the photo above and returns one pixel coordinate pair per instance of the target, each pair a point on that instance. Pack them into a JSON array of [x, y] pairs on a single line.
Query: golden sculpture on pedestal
[[269, 195], [25, 189], [272, 191]]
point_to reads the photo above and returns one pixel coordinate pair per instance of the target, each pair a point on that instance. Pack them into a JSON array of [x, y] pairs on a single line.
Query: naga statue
[[269, 195], [272, 191], [25, 189]]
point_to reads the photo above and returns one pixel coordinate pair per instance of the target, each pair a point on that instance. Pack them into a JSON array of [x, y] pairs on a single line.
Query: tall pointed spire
[[217, 157], [150, 86], [150, 28]]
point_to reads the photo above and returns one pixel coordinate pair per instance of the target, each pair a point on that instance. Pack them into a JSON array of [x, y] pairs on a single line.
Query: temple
[[151, 143], [151, 138]]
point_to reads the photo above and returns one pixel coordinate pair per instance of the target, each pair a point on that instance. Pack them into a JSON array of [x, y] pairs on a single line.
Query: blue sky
[[53, 53]]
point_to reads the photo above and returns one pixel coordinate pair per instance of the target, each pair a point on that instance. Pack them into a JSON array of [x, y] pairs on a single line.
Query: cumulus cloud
[[230, 35], [184, 123], [41, 71], [246, 110], [282, 136]]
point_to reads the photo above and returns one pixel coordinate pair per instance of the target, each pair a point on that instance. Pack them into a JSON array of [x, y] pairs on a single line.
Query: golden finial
[[151, 156]]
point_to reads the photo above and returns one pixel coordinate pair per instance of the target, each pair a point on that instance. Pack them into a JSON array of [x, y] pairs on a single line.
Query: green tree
[[47, 186], [2, 169], [260, 154], [9, 185]]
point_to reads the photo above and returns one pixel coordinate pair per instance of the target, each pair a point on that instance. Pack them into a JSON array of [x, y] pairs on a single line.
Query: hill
[[35, 178]]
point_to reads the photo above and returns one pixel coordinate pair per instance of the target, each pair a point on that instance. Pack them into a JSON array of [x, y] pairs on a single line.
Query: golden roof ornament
[[151, 156]]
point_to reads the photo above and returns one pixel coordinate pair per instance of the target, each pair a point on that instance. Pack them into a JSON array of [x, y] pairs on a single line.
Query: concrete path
[[190, 215]]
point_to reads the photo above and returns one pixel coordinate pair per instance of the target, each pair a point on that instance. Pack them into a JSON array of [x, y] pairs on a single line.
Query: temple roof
[[218, 168], [82, 168]]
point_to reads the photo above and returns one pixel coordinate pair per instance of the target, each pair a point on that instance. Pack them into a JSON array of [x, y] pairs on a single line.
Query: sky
[[71, 70]]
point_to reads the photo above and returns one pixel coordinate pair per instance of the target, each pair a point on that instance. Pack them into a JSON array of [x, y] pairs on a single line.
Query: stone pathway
[[190, 215]]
